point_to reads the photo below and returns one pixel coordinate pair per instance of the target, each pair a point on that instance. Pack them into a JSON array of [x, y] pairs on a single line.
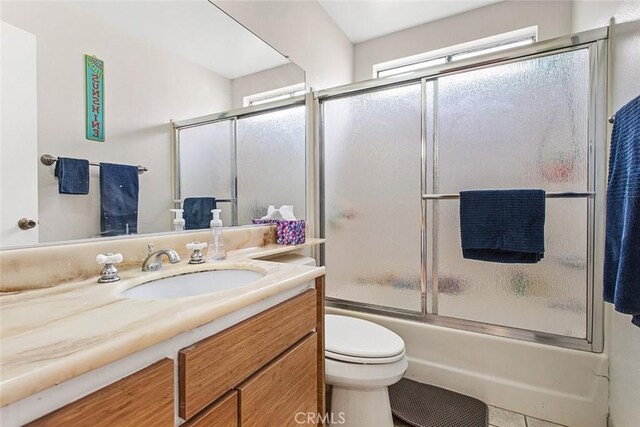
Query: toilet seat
[[363, 360], [353, 340]]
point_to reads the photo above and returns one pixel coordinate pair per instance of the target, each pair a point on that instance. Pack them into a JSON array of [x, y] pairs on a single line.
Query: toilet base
[[361, 407]]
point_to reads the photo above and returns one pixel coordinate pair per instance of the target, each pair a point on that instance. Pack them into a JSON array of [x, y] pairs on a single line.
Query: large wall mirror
[[210, 113]]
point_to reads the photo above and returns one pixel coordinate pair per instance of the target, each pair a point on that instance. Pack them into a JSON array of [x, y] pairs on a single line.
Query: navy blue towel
[[502, 225], [118, 199], [73, 175], [197, 212], [622, 241]]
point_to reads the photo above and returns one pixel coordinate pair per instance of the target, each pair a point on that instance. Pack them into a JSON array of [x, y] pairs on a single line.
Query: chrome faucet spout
[[153, 261]]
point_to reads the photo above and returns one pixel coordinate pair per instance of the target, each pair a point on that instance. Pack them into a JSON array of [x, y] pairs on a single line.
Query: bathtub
[[565, 386]]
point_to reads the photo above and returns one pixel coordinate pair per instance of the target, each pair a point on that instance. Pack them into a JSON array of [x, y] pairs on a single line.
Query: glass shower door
[[207, 164], [271, 162], [395, 155], [519, 125], [372, 161]]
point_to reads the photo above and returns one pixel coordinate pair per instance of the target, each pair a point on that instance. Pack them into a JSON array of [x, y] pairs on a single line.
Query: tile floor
[[499, 417]]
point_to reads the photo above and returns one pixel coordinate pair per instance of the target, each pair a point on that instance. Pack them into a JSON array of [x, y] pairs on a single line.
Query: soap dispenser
[[216, 250], [178, 220]]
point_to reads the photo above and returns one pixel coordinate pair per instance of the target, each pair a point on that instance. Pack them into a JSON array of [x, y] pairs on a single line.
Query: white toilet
[[362, 359]]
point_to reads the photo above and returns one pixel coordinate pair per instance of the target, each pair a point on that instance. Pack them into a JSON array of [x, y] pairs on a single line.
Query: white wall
[[624, 395], [304, 32], [623, 337], [624, 372], [145, 87], [592, 14], [553, 19]]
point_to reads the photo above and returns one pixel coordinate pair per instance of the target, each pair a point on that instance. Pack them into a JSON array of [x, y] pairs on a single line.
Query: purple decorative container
[[288, 232]]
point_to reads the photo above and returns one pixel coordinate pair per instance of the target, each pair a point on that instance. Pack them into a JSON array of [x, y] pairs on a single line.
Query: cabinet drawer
[[212, 367], [143, 398], [223, 413], [285, 388]]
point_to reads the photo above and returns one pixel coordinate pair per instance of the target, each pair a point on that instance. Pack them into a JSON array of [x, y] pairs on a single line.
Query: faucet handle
[[196, 245], [196, 256], [149, 248], [109, 272], [109, 258]]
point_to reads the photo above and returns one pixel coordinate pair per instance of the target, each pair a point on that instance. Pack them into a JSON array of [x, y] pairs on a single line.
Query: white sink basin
[[188, 285]]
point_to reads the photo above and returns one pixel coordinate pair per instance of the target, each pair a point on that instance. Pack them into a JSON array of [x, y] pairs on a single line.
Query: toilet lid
[[360, 341]]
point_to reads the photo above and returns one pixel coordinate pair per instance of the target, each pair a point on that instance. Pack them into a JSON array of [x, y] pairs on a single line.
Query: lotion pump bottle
[[216, 250], [178, 220]]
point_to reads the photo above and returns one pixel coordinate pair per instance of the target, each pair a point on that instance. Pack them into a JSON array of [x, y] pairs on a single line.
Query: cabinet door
[[144, 398], [285, 391], [223, 413], [214, 366]]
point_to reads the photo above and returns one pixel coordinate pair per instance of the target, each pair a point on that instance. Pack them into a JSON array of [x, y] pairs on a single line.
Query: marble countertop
[[50, 335], [259, 252]]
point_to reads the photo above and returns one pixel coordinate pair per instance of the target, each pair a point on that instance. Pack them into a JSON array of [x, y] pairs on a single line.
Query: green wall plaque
[[95, 97]]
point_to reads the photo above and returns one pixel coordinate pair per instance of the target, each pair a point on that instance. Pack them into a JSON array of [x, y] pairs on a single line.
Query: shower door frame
[[596, 42], [233, 116]]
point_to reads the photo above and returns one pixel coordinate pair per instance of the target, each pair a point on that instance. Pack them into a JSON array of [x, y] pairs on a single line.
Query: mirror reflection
[[117, 115], [258, 160]]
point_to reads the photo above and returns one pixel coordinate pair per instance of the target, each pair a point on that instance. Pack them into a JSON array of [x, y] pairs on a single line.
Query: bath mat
[[424, 405]]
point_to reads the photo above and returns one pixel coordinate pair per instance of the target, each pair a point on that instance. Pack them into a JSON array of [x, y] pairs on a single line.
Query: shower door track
[[594, 40], [463, 324]]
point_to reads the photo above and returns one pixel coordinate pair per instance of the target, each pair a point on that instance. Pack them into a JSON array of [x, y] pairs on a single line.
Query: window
[[274, 95], [492, 44]]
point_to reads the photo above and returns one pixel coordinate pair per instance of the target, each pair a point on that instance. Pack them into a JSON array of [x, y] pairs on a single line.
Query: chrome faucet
[[153, 261]]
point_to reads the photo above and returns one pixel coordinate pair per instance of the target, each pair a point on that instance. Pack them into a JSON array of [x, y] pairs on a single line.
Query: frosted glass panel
[[372, 196], [206, 163], [550, 296], [520, 125], [271, 162]]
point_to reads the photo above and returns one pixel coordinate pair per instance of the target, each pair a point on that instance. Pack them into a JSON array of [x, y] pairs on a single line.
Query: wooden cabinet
[[260, 372], [212, 367], [223, 413], [143, 398], [284, 392]]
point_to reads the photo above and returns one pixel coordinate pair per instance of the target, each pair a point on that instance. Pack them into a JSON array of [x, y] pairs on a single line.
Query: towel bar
[[561, 195], [48, 159], [217, 200]]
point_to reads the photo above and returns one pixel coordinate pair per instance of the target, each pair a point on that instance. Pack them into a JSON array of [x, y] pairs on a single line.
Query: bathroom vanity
[[248, 356], [259, 372]]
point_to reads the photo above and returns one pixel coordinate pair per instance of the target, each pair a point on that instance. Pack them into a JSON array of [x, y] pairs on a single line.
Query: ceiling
[[363, 20], [195, 30]]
